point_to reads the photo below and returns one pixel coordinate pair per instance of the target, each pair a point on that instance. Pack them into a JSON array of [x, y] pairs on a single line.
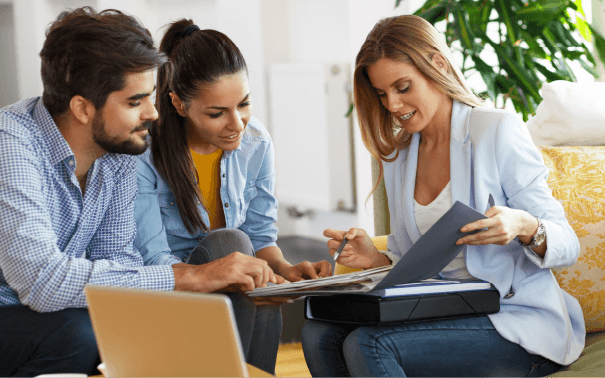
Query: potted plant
[[534, 41]]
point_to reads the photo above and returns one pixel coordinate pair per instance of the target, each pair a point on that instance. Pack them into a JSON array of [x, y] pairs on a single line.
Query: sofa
[[569, 131]]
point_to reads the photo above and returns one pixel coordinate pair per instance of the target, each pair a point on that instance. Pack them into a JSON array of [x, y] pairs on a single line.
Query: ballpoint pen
[[340, 248]]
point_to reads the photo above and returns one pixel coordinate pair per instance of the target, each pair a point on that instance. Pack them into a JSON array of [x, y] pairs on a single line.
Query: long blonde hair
[[412, 40]]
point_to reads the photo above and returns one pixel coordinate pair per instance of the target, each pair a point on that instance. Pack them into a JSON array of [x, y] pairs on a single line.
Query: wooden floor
[[291, 361]]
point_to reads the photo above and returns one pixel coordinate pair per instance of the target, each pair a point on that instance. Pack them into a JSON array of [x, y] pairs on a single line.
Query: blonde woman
[[436, 145]]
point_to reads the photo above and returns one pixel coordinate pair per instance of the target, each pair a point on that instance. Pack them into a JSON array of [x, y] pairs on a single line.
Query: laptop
[[146, 333]]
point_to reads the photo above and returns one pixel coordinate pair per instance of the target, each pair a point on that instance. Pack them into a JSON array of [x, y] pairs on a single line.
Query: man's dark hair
[[88, 54]]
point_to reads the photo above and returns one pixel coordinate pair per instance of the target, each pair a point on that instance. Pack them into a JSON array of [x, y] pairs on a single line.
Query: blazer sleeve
[[523, 177]]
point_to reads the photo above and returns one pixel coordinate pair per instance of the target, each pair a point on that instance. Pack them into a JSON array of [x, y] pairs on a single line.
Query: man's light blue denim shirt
[[247, 192], [54, 240]]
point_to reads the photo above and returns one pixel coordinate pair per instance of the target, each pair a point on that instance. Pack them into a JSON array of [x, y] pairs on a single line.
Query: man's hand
[[236, 272]]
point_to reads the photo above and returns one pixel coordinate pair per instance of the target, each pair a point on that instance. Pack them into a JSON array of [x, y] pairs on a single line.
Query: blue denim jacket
[[247, 194]]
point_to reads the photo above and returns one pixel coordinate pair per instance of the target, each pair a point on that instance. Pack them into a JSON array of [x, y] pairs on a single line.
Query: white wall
[[324, 31], [31, 19], [9, 92], [266, 31], [240, 20]]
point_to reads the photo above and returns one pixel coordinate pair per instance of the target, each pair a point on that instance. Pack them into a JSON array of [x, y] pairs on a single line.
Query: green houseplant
[[534, 41]]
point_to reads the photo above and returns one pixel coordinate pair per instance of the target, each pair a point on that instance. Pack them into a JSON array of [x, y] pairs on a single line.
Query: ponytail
[[197, 58]]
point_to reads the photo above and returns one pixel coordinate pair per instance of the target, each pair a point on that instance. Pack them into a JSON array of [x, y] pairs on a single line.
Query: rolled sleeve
[[44, 277], [524, 180]]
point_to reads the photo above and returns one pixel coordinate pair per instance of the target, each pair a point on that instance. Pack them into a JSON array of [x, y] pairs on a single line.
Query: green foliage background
[[534, 41]]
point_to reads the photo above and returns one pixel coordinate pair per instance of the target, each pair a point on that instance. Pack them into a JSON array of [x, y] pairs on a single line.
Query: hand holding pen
[[354, 248]]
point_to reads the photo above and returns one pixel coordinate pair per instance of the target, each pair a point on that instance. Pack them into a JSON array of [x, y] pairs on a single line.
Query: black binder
[[371, 309]]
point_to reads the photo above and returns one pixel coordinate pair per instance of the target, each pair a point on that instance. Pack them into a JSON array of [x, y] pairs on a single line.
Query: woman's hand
[[502, 225], [273, 301], [359, 252], [306, 270]]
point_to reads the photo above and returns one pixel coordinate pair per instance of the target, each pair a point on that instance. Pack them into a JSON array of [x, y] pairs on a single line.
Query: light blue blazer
[[491, 152]]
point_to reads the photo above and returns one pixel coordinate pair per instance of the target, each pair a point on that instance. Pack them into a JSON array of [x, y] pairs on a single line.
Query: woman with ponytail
[[206, 186]]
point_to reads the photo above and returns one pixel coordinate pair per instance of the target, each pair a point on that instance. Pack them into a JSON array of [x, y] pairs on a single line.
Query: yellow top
[[209, 172]]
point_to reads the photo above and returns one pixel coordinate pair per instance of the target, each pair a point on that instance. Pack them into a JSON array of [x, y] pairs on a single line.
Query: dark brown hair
[[412, 40], [195, 60], [88, 54]]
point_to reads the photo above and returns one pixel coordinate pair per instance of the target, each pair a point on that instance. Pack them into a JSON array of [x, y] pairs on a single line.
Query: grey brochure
[[434, 250]]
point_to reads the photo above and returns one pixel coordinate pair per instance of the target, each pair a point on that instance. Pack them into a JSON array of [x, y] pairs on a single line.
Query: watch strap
[[535, 240]]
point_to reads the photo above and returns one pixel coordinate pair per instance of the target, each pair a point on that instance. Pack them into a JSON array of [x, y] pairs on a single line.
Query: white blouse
[[427, 216]]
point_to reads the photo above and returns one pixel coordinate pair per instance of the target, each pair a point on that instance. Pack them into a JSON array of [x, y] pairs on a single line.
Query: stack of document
[[423, 261], [356, 282]]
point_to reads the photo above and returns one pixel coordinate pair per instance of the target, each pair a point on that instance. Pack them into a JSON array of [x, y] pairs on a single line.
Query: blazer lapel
[[410, 166], [460, 154]]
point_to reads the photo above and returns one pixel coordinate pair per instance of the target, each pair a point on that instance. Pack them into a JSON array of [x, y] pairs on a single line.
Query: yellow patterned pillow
[[577, 179]]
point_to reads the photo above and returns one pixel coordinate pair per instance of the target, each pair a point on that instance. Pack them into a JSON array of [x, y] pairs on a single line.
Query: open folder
[[427, 257]]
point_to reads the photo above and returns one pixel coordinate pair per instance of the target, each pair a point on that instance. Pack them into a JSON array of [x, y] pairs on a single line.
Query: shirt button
[[71, 162], [224, 175], [197, 202], [226, 204], [171, 203]]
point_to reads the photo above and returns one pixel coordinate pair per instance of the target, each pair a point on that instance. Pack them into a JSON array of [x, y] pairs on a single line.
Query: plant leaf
[[488, 75], [548, 74], [599, 43], [463, 30], [433, 11], [516, 71]]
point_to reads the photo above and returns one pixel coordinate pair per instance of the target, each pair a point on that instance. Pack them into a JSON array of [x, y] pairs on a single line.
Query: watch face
[[539, 239]]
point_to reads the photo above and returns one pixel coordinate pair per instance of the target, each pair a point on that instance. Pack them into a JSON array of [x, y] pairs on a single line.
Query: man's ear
[[82, 109], [178, 104], [440, 62]]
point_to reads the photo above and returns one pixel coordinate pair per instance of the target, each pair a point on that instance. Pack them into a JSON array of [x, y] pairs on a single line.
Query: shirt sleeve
[[262, 210], [151, 233], [524, 181], [45, 278]]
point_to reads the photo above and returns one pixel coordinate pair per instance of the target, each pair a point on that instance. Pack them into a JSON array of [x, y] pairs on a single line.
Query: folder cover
[[424, 260], [370, 310]]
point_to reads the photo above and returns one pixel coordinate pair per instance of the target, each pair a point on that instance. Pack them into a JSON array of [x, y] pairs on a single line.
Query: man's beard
[[114, 145]]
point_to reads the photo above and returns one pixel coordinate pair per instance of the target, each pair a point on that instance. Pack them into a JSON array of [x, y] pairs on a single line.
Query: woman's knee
[[221, 243], [365, 342], [317, 335], [228, 240]]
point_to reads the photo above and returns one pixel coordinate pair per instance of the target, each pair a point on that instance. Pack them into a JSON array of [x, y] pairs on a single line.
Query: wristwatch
[[538, 237]]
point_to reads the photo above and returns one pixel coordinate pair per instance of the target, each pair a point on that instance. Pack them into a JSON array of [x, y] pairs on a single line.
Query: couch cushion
[[571, 114], [591, 362], [577, 179]]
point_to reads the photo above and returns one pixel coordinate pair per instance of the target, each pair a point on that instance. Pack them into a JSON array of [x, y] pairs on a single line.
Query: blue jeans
[[33, 343], [466, 347], [259, 326]]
